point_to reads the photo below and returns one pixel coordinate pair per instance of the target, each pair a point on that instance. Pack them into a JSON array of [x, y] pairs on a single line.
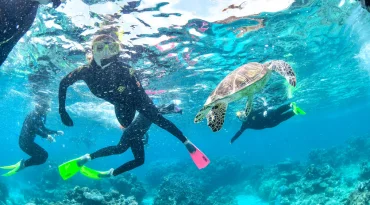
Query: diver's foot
[[22, 165], [83, 160], [200, 159], [106, 174], [190, 146], [296, 109]]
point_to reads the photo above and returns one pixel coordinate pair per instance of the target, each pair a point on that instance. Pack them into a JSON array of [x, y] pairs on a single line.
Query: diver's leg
[[283, 108], [151, 112], [136, 130], [276, 119], [137, 148], [146, 107], [120, 148], [286, 116], [37, 153]]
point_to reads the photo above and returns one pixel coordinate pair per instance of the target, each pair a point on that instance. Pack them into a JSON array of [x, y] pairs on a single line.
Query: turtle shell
[[238, 80]]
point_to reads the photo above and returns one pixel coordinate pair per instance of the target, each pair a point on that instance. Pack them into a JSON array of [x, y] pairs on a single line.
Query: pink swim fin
[[200, 159]]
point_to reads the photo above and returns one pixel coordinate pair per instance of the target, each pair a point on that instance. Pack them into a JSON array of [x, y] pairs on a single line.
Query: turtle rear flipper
[[216, 117], [202, 114], [285, 70]]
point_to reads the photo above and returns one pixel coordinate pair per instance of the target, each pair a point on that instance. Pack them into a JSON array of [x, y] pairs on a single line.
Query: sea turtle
[[245, 81]]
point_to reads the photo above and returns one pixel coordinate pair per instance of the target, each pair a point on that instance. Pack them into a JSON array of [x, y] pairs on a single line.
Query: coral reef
[[49, 187], [223, 196], [222, 172], [330, 176], [361, 196], [86, 196], [365, 171], [180, 189], [50, 177], [356, 150], [128, 185], [160, 169], [4, 192]]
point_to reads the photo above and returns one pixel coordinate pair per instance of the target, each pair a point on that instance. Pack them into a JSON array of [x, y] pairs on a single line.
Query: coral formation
[[159, 169], [361, 196], [223, 196], [128, 185], [4, 192], [180, 189], [330, 176]]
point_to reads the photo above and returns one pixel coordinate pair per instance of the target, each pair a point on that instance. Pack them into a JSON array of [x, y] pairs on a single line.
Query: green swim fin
[[10, 166], [297, 110], [94, 174], [14, 169], [69, 169]]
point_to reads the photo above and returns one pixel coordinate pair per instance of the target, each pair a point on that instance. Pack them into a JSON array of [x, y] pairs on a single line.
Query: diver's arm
[[67, 81], [240, 132], [236, 136], [41, 129], [44, 132]]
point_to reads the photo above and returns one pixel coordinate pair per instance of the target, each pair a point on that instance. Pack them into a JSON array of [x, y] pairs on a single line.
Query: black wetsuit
[[132, 137], [257, 120], [16, 18], [33, 125], [118, 85]]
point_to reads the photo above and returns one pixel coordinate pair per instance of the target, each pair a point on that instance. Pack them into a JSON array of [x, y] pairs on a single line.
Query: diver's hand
[[60, 133], [66, 119], [51, 139]]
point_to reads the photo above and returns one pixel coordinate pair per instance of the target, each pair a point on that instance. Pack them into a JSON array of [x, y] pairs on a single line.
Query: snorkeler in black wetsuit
[[114, 81], [16, 17], [263, 118], [33, 125], [134, 137]]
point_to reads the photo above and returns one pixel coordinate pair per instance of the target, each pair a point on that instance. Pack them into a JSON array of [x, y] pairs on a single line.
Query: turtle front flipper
[[242, 115], [216, 117], [284, 69], [202, 114]]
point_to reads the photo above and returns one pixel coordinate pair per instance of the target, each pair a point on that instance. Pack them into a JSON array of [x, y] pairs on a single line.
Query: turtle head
[[284, 69], [274, 64], [268, 65]]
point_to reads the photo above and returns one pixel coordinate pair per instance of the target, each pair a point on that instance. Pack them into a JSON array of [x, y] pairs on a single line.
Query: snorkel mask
[[104, 47], [43, 106]]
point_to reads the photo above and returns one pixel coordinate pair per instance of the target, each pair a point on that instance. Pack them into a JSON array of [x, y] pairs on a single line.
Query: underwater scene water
[[181, 50]]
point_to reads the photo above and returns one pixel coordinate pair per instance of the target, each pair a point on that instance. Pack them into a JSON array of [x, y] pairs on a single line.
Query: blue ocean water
[[186, 53]]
